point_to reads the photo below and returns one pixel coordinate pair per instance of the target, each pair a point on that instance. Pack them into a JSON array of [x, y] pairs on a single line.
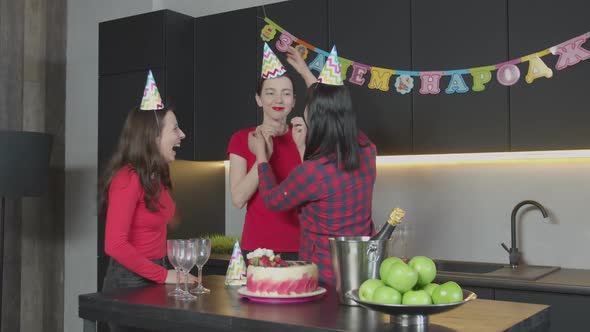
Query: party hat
[[236, 271], [151, 96], [271, 65], [331, 73]]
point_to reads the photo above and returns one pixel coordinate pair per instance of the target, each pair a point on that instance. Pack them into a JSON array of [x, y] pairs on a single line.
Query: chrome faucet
[[514, 254]]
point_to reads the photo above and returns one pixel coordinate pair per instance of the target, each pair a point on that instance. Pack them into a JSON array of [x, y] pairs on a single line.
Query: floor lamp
[[24, 166]]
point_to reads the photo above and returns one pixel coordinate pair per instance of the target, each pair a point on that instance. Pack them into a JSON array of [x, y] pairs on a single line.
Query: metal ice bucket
[[356, 259]]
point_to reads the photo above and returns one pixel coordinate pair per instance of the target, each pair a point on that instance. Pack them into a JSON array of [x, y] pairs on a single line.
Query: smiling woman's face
[[276, 98], [170, 137]]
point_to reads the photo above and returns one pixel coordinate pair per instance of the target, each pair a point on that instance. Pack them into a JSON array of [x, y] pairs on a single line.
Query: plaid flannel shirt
[[331, 201]]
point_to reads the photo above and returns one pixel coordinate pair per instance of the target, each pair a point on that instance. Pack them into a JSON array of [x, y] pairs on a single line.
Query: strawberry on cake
[[268, 274]]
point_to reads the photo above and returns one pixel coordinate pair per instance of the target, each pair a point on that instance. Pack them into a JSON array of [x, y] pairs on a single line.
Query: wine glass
[[203, 250], [172, 248], [186, 261]]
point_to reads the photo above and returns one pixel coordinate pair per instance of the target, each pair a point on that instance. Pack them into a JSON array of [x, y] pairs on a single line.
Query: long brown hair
[[137, 149]]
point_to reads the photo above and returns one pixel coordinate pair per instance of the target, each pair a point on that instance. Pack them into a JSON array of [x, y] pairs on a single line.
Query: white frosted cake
[[268, 274]]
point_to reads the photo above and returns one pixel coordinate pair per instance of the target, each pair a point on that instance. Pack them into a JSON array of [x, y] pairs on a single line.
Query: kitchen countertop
[[224, 310], [566, 281]]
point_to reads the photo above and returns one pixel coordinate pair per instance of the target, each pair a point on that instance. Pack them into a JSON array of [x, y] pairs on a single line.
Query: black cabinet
[[569, 312], [550, 113], [458, 35], [161, 41], [381, 37], [483, 293], [225, 80]]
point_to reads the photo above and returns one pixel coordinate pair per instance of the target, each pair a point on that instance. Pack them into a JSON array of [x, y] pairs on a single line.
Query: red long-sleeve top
[[135, 235]]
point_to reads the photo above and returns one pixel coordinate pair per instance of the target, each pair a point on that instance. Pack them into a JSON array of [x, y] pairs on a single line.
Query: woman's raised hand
[[299, 134], [295, 59]]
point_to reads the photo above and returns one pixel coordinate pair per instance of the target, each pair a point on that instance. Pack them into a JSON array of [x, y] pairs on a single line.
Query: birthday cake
[[268, 274]]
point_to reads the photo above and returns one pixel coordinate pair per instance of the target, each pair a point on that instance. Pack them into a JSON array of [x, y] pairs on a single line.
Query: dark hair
[[331, 125], [262, 80], [137, 149]]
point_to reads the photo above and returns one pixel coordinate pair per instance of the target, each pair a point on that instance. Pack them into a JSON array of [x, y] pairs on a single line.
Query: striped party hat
[[331, 73], [271, 66], [151, 96]]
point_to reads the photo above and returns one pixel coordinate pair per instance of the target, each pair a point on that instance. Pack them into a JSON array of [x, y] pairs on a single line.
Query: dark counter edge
[[537, 285], [92, 308], [221, 261]]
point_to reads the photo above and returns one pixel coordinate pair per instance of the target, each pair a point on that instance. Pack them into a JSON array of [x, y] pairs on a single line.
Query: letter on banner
[[344, 65], [508, 74], [481, 76], [430, 81], [317, 63], [358, 71], [457, 84], [537, 68], [285, 40], [380, 78], [570, 52]]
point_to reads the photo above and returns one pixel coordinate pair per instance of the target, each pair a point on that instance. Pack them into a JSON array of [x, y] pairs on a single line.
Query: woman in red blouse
[[333, 187], [136, 199], [263, 228]]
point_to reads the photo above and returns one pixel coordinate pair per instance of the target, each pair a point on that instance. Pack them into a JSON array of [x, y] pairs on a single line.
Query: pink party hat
[[331, 73], [151, 96], [271, 66]]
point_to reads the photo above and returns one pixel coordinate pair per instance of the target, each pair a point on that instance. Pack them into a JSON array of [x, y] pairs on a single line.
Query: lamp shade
[[24, 163]]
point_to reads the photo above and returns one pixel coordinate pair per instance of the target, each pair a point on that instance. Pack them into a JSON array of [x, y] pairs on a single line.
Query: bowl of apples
[[406, 291]]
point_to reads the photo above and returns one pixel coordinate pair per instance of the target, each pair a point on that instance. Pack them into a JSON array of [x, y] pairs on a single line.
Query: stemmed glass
[[172, 249], [186, 261], [202, 252]]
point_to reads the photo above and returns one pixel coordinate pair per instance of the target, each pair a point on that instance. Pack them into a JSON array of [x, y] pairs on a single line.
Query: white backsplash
[[462, 211]]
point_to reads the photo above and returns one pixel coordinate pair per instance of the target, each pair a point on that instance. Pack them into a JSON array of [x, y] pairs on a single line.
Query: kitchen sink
[[493, 270]]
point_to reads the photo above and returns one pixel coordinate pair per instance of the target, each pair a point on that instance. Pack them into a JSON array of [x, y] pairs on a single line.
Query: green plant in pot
[[221, 244]]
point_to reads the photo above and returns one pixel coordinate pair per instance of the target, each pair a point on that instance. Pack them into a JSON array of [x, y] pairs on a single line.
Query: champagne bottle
[[395, 218]]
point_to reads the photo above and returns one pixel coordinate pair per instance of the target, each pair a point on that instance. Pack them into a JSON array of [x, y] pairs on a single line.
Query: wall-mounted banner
[[570, 52]]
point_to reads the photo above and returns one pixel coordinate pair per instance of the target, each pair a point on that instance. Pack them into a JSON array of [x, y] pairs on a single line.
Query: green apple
[[368, 287], [386, 295], [386, 264], [418, 297], [401, 277], [449, 292], [426, 269], [430, 288]]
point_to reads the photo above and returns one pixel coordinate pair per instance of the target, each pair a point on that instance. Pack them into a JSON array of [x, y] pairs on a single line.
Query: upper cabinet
[[377, 35], [457, 35], [225, 80], [208, 68], [161, 41], [550, 113]]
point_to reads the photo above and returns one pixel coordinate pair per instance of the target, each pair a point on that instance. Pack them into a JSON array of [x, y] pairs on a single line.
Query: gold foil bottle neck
[[396, 216]]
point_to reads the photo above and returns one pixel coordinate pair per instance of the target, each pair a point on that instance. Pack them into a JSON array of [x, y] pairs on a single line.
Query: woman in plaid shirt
[[333, 187]]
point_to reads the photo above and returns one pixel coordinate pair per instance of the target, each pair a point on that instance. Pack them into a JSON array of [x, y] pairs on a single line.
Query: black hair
[[332, 128]]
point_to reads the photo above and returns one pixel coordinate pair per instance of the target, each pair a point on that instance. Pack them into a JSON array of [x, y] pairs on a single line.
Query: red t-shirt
[[135, 235], [263, 228]]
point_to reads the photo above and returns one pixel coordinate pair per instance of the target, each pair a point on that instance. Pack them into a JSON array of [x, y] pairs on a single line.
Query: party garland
[[570, 53]]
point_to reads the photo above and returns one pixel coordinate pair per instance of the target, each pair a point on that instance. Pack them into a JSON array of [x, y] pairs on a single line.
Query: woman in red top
[[333, 187], [276, 230], [135, 196]]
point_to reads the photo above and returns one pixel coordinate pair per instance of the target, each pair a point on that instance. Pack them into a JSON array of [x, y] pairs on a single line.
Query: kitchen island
[[225, 310]]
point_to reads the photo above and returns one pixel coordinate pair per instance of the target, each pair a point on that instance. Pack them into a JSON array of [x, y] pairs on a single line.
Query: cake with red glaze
[[268, 274]]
